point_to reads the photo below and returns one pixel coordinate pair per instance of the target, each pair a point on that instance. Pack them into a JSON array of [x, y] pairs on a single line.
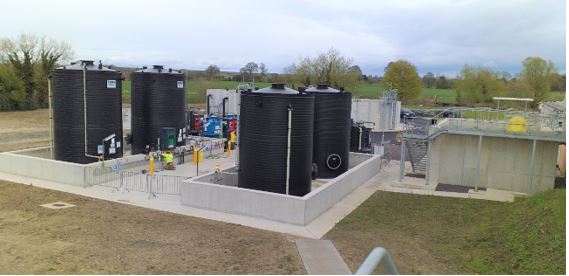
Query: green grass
[[365, 90], [458, 236]]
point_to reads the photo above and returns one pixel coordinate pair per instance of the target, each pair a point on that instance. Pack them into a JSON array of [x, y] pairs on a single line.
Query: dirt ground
[[101, 237], [24, 129]]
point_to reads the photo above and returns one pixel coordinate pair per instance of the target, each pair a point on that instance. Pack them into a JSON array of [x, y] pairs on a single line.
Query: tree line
[[28, 60], [25, 64]]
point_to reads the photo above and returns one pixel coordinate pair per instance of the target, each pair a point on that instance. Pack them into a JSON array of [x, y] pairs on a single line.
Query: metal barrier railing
[[486, 120], [127, 181], [377, 256]]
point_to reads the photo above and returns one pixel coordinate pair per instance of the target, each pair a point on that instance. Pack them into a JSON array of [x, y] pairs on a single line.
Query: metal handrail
[[488, 119], [377, 256]]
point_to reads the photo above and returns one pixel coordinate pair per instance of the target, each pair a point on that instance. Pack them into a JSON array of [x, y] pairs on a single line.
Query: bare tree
[[263, 69], [33, 59], [212, 72], [249, 70]]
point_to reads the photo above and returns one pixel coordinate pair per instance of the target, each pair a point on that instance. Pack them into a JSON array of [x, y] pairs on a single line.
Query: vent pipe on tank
[[288, 147], [85, 62], [207, 105], [223, 104], [50, 103]]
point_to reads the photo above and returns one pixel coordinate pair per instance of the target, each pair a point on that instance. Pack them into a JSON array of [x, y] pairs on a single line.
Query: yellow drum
[[517, 124], [198, 156]]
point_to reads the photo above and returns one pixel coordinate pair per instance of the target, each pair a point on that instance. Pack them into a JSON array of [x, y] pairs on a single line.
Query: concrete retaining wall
[[325, 196], [235, 200], [22, 164], [279, 207], [504, 162]]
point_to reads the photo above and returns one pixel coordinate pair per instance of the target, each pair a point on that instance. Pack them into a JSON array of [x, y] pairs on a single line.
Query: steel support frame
[[531, 165], [478, 155], [428, 169]]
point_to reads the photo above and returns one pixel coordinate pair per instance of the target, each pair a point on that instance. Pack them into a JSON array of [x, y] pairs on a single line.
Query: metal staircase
[[417, 152]]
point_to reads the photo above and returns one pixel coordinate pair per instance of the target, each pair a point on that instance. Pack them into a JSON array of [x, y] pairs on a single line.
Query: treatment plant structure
[[275, 158]]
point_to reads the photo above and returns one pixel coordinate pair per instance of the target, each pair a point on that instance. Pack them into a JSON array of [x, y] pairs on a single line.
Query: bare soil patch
[[101, 237], [24, 129]]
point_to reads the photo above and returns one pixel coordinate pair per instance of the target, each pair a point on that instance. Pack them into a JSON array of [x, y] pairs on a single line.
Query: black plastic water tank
[[360, 138], [101, 87], [157, 101], [332, 110], [264, 136]]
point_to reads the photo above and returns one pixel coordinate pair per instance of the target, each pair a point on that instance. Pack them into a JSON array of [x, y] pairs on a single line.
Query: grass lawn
[[438, 235]]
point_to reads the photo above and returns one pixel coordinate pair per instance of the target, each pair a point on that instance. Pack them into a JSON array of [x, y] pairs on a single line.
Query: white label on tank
[[118, 144], [111, 84], [100, 149], [180, 84], [112, 150]]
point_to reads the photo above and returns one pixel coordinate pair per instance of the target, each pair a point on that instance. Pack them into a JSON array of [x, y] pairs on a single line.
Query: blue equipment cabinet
[[212, 126]]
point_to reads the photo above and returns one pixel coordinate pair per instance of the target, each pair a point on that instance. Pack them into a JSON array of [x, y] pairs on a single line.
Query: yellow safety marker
[[517, 124], [229, 149], [151, 165], [198, 156], [231, 140]]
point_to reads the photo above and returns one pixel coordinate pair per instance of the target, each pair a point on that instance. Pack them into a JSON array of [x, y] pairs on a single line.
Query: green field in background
[[365, 90]]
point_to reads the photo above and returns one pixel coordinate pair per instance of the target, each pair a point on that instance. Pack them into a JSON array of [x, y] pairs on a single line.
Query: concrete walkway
[[320, 257]]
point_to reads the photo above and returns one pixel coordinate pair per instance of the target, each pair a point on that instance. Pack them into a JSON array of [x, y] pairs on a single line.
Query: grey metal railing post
[[402, 160], [429, 151], [376, 256]]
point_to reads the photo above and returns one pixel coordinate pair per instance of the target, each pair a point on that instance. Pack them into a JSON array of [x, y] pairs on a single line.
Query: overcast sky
[[438, 36]]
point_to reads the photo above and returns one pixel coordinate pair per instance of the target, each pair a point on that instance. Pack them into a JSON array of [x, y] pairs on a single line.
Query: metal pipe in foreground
[[376, 256]]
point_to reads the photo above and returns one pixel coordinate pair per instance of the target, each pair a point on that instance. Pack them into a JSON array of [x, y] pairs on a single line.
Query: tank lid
[[321, 88], [88, 64], [276, 88], [158, 69]]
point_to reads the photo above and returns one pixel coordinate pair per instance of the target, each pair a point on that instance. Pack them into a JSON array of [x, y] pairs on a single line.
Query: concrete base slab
[[410, 186], [320, 257], [414, 183]]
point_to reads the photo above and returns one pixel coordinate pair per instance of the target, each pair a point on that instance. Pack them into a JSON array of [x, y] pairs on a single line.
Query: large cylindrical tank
[[157, 101], [100, 88], [331, 150], [264, 132]]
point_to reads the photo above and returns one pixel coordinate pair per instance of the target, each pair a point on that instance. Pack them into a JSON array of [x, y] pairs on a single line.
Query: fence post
[[402, 160]]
